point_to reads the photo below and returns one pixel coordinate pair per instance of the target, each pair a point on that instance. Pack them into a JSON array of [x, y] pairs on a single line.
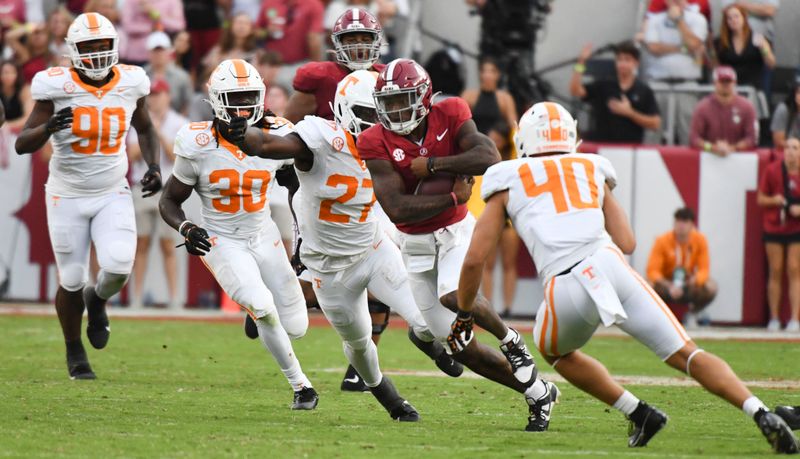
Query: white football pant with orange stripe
[[256, 274], [568, 316]]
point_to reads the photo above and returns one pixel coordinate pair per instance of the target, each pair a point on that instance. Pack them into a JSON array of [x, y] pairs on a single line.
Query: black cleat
[[78, 364], [98, 330], [790, 414], [436, 352], [405, 413], [305, 399], [778, 433], [646, 421], [250, 328], [521, 360], [399, 409], [539, 411], [353, 382]]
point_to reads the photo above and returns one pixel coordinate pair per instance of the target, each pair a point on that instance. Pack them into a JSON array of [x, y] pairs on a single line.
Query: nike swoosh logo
[[441, 136], [378, 244], [353, 380], [121, 89], [275, 244]]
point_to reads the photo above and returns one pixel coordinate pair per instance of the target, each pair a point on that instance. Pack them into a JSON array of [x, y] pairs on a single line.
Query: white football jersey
[[335, 210], [233, 187], [556, 205], [90, 158]]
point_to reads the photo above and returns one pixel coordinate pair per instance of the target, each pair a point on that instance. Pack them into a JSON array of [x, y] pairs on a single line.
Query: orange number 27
[[325, 209], [554, 185], [239, 193]]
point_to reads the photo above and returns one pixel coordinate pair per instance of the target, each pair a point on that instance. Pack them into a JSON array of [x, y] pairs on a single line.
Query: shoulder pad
[[51, 83], [192, 138]]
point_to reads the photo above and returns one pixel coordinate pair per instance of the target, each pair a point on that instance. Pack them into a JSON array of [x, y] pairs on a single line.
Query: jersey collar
[[233, 149], [102, 90]]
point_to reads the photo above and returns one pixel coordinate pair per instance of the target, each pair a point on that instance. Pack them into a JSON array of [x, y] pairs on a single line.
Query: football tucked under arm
[[440, 183]]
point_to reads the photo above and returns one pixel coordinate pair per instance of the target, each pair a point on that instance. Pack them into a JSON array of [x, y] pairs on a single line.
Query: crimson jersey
[[444, 121], [320, 79]]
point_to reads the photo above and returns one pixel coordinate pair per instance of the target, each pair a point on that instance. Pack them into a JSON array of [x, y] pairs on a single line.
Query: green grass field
[[188, 389]]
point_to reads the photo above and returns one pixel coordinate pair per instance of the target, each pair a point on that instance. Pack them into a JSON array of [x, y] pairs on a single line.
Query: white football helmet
[[89, 27], [546, 128], [353, 106], [234, 76]]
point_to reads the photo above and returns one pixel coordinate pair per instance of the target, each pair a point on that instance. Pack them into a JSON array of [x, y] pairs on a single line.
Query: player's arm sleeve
[[494, 181], [305, 80], [184, 168], [142, 88], [310, 133], [460, 109], [40, 89], [703, 261], [655, 262], [608, 171]]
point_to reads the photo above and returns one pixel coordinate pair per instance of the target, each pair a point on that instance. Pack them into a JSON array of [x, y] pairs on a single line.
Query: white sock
[[752, 405], [537, 390], [626, 403], [510, 336], [276, 341], [365, 361]]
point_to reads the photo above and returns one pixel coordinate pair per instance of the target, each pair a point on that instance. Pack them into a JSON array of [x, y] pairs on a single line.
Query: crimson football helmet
[[403, 96], [357, 56]]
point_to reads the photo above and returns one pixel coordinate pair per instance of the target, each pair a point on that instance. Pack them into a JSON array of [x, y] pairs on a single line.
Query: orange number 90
[[98, 131]]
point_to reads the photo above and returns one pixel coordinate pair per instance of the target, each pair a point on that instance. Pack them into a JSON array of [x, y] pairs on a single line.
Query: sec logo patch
[[202, 139], [69, 87], [398, 154], [337, 143], [423, 151]]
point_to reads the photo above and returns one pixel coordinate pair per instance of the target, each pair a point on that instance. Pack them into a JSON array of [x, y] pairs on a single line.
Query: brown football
[[440, 183]]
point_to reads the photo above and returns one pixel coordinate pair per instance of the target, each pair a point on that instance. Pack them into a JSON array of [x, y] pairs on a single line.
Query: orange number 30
[[325, 209], [97, 133], [239, 193], [555, 187]]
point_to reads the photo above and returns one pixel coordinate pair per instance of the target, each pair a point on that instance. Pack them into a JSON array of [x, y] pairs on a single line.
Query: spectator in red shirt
[[293, 28], [659, 6], [31, 46], [779, 195], [724, 122]]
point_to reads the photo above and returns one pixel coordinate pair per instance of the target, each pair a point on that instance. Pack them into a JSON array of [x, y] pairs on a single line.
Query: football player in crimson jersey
[[86, 111], [240, 244], [357, 37], [576, 232], [343, 245], [417, 140]]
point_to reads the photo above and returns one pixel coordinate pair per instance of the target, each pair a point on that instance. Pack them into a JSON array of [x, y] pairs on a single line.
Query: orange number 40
[[325, 209], [239, 193], [98, 131], [554, 186]]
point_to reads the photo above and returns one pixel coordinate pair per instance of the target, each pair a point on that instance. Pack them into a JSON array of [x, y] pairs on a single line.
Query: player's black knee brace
[[379, 325]]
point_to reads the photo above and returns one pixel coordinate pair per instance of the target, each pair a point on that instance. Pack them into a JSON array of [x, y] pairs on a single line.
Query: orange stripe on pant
[[664, 308], [247, 310], [554, 330]]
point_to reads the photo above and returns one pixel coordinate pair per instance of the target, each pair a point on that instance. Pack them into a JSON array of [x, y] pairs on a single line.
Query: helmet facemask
[[245, 102], [94, 64], [401, 110], [359, 55]]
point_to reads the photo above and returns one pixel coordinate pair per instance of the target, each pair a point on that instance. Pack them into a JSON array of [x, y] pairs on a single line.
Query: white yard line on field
[[636, 380]]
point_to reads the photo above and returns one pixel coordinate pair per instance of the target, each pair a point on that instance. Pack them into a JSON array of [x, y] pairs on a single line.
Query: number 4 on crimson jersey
[[555, 203]]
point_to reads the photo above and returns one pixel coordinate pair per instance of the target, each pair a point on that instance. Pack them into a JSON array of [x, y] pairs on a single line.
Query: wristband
[[579, 68], [431, 168], [455, 199], [464, 315], [180, 227], [706, 146]]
